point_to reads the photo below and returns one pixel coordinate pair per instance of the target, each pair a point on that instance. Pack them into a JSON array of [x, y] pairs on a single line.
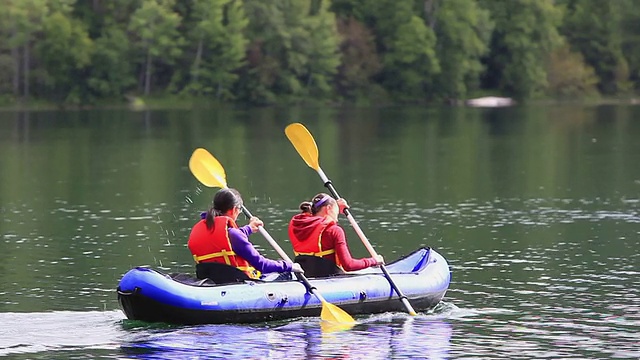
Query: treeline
[[268, 51]]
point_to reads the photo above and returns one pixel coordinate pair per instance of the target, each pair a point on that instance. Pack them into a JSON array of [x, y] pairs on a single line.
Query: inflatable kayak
[[150, 295]]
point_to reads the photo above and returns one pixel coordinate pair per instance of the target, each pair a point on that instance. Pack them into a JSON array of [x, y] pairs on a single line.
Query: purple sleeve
[[246, 230], [241, 246]]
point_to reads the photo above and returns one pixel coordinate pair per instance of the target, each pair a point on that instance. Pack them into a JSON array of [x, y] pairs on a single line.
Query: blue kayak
[[149, 295]]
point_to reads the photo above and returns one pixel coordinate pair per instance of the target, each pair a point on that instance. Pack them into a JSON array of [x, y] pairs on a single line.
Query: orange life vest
[[214, 245], [313, 244]]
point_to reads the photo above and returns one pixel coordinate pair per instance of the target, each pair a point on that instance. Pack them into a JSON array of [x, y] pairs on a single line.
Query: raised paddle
[[306, 146], [208, 170]]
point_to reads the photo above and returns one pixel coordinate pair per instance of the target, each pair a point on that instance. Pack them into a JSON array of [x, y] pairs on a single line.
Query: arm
[[343, 253], [242, 247], [245, 230]]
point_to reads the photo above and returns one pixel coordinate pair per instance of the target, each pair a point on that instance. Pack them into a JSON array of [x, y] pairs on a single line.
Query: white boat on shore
[[490, 101]]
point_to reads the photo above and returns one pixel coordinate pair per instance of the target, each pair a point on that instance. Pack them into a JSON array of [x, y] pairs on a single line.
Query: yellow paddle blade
[[334, 314], [304, 143], [330, 327], [207, 169]]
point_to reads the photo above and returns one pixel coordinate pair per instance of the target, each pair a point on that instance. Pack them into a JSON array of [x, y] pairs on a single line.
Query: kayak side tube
[[149, 295]]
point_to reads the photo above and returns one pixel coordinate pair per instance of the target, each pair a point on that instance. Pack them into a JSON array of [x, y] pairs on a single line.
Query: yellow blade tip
[[327, 326]]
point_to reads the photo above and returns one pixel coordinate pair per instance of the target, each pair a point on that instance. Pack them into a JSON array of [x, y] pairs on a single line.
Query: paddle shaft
[[365, 241], [284, 255], [208, 170]]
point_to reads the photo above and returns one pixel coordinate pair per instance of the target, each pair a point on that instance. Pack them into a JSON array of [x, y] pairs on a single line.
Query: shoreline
[[179, 102]]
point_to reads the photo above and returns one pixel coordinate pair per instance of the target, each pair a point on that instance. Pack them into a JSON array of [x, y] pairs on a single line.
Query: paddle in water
[[208, 170], [305, 145]]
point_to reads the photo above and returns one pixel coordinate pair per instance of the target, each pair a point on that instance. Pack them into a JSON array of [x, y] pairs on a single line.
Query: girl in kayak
[[319, 243], [222, 250]]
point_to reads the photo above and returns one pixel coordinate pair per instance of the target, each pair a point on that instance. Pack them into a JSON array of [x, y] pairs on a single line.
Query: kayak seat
[[315, 266], [220, 273]]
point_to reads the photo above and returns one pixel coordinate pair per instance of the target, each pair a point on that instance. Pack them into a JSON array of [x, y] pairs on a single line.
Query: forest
[[80, 52]]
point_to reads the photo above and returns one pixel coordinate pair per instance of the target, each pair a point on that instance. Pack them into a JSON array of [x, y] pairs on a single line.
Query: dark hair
[[317, 202], [223, 201]]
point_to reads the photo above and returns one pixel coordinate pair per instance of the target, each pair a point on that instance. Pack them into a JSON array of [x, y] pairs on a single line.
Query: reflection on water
[[383, 337], [447, 332]]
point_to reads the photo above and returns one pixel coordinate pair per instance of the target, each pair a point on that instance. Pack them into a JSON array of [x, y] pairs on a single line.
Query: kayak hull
[[149, 295]]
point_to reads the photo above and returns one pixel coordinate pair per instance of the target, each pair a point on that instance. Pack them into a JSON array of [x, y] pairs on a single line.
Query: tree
[[21, 20], [463, 30], [155, 29], [360, 62], [293, 50], [324, 56], [410, 61], [594, 28], [631, 38], [525, 32], [405, 44], [65, 50], [220, 46], [111, 72], [97, 15], [568, 75]]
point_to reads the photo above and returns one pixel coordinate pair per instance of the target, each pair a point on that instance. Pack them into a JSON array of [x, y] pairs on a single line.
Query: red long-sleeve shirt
[[333, 237]]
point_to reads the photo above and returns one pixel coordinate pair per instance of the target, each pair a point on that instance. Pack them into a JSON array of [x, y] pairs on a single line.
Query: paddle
[[305, 145], [208, 170]]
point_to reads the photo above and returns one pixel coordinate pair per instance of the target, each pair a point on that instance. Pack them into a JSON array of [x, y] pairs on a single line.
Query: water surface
[[537, 210]]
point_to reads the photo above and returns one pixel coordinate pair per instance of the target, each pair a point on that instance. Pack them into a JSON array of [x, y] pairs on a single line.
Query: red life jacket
[[214, 245], [312, 245]]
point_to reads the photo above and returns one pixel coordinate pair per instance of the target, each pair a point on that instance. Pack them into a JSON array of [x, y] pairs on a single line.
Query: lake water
[[536, 208]]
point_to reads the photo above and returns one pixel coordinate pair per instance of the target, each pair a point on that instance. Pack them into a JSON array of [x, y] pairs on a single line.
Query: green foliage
[[111, 75], [293, 51], [594, 28], [463, 30], [569, 76], [21, 19], [66, 50], [323, 55], [265, 52], [6, 72], [360, 62], [630, 27], [410, 62], [220, 43], [405, 44], [155, 35], [526, 31]]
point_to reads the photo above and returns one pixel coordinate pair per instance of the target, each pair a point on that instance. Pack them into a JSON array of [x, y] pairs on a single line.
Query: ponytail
[[305, 207], [209, 218]]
